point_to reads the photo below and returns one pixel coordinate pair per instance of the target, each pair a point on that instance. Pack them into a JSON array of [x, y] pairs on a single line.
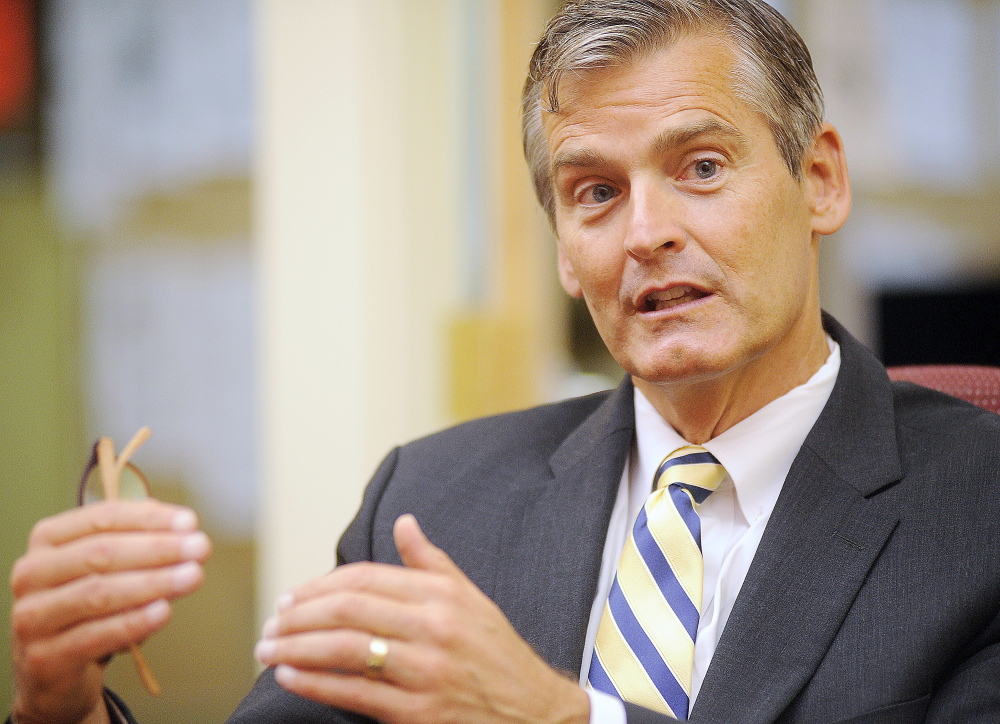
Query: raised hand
[[94, 581], [449, 653]]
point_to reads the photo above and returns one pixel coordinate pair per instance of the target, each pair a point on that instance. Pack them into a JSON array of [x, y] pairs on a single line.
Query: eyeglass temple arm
[[107, 467], [129, 450]]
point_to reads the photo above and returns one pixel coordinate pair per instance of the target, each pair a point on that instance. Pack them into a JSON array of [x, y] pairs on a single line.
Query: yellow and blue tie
[[644, 652]]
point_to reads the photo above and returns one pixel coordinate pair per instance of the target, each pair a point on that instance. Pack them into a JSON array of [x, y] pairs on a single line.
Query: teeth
[[670, 294], [670, 298]]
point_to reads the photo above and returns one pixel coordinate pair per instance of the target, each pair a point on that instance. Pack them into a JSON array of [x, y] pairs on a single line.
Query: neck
[[703, 409]]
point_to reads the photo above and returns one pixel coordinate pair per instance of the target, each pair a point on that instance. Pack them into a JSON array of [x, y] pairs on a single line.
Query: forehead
[[691, 77]]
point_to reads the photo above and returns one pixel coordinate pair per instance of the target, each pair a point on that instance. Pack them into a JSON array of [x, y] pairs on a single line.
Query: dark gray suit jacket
[[873, 597]]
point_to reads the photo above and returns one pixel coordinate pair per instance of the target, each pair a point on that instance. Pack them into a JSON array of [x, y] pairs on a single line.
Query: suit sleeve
[[972, 693], [117, 711]]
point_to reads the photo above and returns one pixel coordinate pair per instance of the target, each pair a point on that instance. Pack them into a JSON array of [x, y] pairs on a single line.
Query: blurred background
[[290, 234]]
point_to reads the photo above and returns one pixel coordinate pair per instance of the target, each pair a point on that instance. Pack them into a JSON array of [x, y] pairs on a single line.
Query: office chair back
[[978, 385]]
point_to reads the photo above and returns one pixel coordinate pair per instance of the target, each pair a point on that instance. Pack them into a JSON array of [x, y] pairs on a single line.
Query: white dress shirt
[[757, 453]]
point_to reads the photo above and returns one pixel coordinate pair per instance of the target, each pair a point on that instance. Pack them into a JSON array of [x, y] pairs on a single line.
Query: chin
[[673, 368]]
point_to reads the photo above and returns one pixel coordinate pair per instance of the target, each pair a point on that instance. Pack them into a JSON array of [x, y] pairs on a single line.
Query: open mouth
[[668, 298]]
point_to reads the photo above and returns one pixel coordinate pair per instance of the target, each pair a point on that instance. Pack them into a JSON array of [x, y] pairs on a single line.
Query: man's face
[[678, 221]]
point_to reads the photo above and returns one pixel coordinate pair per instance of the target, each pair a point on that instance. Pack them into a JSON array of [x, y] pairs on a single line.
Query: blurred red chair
[[978, 385]]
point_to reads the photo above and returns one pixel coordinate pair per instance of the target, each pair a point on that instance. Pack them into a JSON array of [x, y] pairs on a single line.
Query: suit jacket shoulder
[[473, 468]]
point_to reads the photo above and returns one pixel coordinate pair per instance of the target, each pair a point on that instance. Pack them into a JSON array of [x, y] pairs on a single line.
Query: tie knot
[[693, 468]]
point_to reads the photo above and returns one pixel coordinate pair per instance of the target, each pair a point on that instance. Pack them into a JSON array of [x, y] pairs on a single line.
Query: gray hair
[[773, 73]]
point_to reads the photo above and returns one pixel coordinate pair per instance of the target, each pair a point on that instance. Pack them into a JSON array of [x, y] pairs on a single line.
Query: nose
[[656, 220]]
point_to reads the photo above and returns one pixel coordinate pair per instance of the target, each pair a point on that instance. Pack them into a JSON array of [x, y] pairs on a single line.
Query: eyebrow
[[675, 137], [582, 158], [665, 142]]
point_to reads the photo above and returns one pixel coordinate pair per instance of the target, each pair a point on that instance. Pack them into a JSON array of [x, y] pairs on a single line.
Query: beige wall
[[368, 334]]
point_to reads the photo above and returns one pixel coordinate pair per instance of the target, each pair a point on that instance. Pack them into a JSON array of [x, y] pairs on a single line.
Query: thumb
[[418, 552]]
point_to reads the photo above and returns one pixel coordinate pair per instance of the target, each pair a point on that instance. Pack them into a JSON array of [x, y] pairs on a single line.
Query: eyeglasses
[[111, 478]]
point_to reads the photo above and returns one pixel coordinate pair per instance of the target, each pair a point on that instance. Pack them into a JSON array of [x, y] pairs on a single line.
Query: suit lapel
[[553, 554], [827, 528]]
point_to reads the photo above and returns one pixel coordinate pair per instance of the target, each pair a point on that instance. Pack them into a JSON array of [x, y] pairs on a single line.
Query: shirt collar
[[756, 470]]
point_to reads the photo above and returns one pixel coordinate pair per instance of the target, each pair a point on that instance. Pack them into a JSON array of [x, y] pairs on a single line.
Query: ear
[[828, 186], [566, 274]]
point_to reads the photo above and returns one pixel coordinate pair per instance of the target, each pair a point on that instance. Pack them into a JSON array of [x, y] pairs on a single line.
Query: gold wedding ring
[[378, 650]]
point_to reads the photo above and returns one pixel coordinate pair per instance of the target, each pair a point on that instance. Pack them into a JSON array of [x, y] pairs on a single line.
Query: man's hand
[[94, 581], [452, 655]]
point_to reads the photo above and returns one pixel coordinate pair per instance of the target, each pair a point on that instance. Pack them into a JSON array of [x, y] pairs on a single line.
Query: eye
[[706, 168], [599, 194], [704, 172]]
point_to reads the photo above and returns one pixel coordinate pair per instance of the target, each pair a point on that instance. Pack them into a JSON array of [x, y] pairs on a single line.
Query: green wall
[[41, 449]]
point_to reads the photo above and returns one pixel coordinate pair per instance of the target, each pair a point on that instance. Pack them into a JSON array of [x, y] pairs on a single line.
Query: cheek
[[597, 265], [770, 251], [601, 279]]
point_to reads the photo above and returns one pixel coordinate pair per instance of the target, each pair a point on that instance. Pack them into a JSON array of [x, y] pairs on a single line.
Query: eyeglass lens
[[132, 485]]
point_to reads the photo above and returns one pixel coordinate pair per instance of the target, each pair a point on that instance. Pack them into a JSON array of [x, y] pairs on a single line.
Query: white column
[[357, 225]]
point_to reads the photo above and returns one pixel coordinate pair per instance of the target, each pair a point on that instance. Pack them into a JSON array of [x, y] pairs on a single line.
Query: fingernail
[[264, 651], [194, 546], [185, 520], [285, 675], [270, 629], [186, 575], [285, 601], [157, 612]]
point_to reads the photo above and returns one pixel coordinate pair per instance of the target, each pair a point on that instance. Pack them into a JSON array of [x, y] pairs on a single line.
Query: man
[[847, 566]]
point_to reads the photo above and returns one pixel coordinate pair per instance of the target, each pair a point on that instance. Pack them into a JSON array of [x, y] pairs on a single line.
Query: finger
[[362, 611], [49, 567], [416, 551], [47, 613], [111, 515], [375, 699], [50, 659], [414, 666], [402, 584], [341, 650]]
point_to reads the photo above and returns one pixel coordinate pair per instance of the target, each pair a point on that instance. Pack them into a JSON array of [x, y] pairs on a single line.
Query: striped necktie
[[644, 652]]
